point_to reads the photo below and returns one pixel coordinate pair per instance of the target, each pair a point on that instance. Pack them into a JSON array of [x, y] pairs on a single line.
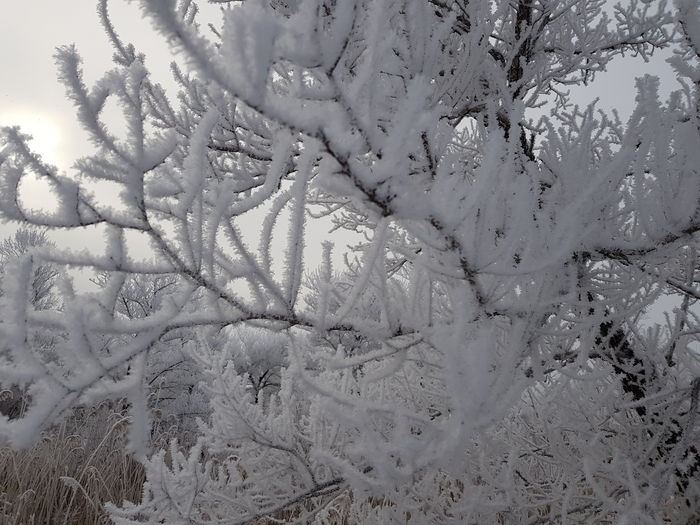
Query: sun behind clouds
[[44, 130]]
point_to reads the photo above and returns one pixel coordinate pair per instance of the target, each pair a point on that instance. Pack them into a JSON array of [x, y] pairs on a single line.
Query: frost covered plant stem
[[481, 356]]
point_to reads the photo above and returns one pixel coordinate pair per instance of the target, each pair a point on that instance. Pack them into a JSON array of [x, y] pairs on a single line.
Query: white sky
[[31, 96]]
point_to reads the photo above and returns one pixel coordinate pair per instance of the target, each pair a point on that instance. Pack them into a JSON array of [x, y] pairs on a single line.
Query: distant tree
[[482, 357], [260, 355], [42, 296], [171, 377], [43, 281]]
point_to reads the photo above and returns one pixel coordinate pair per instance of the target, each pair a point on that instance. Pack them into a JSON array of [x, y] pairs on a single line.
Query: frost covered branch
[[478, 355]]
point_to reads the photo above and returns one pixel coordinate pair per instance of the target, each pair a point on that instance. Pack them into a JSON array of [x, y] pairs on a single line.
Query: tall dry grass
[[65, 478]]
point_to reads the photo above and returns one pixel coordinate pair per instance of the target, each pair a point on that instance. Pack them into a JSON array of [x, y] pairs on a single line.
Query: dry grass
[[67, 476]]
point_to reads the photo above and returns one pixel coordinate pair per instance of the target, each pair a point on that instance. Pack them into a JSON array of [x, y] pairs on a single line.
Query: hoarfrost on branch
[[480, 356]]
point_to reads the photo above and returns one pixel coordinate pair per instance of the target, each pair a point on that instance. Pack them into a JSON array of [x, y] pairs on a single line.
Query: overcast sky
[[31, 96]]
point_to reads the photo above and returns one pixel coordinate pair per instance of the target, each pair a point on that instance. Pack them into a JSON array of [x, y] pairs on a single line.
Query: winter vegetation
[[511, 335]]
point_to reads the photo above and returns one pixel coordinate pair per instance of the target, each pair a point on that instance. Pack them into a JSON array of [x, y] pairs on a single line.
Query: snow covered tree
[[14, 250], [20, 245], [483, 357], [260, 355], [171, 376]]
